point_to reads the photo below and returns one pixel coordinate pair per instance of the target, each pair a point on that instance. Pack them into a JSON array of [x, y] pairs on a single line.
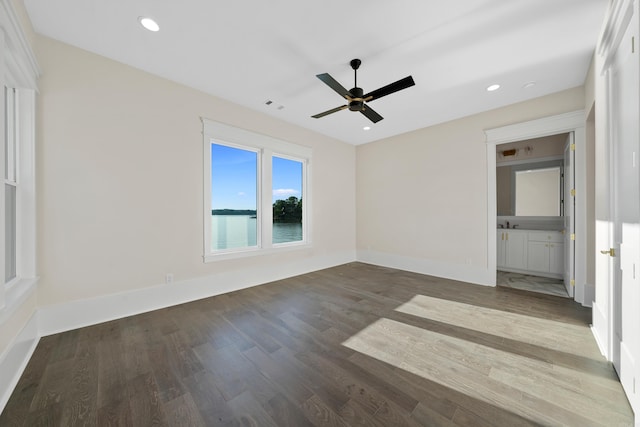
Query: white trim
[[3, 132], [20, 61], [546, 126], [266, 148], [562, 123], [81, 313], [618, 17], [599, 320], [254, 251], [461, 272], [16, 293], [14, 359], [234, 135]]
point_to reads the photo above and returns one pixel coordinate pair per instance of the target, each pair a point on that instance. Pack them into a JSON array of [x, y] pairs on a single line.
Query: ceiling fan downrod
[[355, 64]]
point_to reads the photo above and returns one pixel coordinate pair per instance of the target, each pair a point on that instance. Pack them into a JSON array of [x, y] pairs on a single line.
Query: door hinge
[[573, 236], [573, 192], [573, 147], [633, 44]]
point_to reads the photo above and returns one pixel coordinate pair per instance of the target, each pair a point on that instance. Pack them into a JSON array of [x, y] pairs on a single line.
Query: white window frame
[[19, 70], [11, 167], [267, 147]]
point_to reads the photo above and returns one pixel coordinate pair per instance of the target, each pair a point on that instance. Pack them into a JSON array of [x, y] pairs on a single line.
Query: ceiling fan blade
[[389, 89], [333, 84], [371, 114], [333, 110]]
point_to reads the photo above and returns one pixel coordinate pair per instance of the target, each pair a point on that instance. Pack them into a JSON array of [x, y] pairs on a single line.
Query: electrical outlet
[[168, 278]]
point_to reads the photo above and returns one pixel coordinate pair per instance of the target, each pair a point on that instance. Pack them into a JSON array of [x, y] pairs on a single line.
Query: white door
[[569, 215], [625, 210]]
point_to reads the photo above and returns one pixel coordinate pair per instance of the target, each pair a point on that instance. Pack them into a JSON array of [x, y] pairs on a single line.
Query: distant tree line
[[233, 212], [289, 210]]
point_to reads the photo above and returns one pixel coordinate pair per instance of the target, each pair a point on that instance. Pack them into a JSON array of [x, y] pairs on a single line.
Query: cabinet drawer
[[546, 236]]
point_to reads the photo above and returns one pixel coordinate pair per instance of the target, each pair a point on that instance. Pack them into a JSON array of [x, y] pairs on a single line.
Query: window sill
[[247, 253], [16, 293]]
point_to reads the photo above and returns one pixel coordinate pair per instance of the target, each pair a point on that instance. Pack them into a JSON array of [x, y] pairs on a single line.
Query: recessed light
[[528, 85], [493, 87], [366, 128], [149, 23]]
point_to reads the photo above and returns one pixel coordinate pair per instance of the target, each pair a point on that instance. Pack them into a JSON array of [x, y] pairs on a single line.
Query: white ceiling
[[251, 51]]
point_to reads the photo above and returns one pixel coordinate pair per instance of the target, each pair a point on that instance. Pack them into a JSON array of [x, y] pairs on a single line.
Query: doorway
[[573, 122], [534, 179]]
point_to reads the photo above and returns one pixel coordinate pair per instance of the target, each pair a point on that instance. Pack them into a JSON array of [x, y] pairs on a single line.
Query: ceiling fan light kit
[[357, 99]]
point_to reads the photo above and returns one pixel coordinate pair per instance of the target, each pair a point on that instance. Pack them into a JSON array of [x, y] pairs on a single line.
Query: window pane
[[10, 233], [9, 136], [287, 200], [234, 201]]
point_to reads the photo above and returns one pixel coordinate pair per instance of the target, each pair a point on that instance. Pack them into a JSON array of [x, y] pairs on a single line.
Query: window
[[287, 200], [18, 79], [253, 193], [10, 185], [234, 190]]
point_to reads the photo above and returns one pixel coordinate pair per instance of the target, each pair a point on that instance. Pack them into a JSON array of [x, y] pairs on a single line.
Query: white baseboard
[[461, 272], [599, 329], [15, 358], [77, 314]]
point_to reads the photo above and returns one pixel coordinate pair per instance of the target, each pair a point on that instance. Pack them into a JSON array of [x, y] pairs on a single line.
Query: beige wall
[[120, 179], [423, 195]]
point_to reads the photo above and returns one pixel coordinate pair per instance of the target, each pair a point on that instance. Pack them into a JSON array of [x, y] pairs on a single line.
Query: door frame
[[575, 122], [568, 183]]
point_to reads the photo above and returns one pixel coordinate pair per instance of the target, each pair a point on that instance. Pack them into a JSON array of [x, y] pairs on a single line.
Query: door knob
[[610, 252]]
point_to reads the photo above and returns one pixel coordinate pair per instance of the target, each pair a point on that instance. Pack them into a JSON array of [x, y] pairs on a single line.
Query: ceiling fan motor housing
[[356, 104]]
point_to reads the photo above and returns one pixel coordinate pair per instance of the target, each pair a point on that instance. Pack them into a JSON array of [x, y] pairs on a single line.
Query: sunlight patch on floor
[[527, 329], [531, 388]]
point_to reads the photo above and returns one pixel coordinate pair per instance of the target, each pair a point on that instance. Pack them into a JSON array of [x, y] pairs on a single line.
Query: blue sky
[[233, 178]]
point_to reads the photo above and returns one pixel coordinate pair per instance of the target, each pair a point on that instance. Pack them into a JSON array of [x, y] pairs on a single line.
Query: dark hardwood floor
[[355, 345]]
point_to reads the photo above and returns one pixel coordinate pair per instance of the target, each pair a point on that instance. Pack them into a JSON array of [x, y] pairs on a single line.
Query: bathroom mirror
[[532, 189]]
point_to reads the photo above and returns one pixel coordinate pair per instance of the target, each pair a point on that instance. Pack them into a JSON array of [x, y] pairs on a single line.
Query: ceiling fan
[[356, 98]]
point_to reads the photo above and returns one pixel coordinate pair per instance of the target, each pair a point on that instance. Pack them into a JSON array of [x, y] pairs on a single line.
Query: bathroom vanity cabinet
[[534, 252]]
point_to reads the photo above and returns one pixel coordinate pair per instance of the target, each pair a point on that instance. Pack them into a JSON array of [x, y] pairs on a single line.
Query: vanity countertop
[[529, 229]]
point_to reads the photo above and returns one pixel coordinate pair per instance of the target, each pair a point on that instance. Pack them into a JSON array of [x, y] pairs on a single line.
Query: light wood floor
[[355, 345]]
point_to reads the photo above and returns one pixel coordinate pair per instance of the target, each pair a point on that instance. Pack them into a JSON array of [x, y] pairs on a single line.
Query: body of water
[[240, 231]]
